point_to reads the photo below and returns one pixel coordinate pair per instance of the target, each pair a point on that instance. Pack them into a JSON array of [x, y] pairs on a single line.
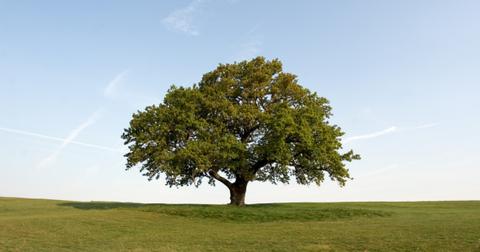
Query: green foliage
[[248, 120]]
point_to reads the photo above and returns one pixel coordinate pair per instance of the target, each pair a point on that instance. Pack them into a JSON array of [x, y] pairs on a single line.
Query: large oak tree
[[243, 122]]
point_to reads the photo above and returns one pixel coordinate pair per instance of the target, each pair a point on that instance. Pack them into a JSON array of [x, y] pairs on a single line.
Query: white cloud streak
[[70, 138], [108, 92], [372, 135], [251, 47], [182, 19], [387, 131], [58, 139], [110, 89]]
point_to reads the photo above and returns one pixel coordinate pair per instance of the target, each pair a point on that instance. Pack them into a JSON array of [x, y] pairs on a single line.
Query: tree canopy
[[246, 121]]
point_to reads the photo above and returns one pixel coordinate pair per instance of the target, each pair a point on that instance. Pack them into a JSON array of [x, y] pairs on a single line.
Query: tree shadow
[[105, 205], [250, 213], [100, 205]]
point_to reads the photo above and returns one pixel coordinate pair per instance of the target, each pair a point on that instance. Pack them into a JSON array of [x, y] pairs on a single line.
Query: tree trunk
[[237, 189], [237, 192]]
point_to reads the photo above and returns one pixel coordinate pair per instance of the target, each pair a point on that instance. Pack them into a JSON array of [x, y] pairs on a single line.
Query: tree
[[247, 121]]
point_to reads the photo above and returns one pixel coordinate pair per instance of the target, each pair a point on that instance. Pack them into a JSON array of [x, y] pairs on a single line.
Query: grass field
[[48, 225]]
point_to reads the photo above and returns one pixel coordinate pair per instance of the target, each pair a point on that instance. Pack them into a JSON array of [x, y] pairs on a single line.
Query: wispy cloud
[[70, 138], [111, 87], [58, 139], [372, 135], [249, 50], [387, 131], [108, 92], [182, 19], [251, 47]]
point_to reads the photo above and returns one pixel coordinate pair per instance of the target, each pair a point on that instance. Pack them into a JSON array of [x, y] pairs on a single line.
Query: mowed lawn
[[48, 225]]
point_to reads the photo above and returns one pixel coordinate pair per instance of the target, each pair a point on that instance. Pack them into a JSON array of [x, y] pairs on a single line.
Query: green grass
[[47, 225]]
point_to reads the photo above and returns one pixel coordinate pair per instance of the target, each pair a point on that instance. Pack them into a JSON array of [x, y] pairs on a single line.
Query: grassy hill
[[48, 225]]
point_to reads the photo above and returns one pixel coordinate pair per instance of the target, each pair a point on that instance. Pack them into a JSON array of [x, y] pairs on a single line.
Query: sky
[[403, 78]]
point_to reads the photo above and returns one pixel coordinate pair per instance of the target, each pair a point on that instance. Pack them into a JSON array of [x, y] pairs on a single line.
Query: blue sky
[[403, 78]]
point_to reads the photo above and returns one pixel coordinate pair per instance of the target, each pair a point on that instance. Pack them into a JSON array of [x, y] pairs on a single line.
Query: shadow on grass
[[100, 205], [250, 213]]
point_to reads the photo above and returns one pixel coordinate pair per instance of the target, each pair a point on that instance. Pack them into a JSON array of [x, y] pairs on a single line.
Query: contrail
[[390, 130], [112, 85], [70, 138], [59, 139], [372, 135]]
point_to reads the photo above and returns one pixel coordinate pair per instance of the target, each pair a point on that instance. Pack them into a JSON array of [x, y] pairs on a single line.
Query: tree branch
[[215, 175], [259, 164], [246, 134]]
